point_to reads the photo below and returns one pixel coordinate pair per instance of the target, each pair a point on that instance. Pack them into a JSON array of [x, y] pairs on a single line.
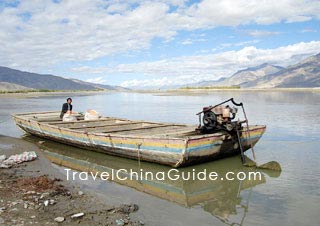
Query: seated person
[[66, 108]]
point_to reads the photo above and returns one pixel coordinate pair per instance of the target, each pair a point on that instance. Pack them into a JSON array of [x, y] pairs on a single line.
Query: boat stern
[[252, 135]]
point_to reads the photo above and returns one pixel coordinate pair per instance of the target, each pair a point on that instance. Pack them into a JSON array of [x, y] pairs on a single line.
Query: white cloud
[[161, 82], [244, 43], [190, 41], [233, 13], [89, 29], [98, 80], [184, 70], [187, 42], [90, 70], [259, 33], [307, 30]]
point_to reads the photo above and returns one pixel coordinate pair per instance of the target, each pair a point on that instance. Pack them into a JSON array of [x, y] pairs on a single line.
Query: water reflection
[[223, 199], [292, 139]]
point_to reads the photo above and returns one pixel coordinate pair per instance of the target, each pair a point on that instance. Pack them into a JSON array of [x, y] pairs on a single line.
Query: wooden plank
[[178, 133], [113, 123], [105, 123], [57, 119], [182, 133], [49, 120], [141, 128], [115, 127], [83, 121], [155, 131], [53, 115], [98, 123], [36, 113]]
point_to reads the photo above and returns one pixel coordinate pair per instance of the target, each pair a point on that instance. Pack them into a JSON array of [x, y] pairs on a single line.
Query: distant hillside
[[101, 86], [242, 77], [6, 86], [38, 81], [206, 83], [303, 74], [12, 79]]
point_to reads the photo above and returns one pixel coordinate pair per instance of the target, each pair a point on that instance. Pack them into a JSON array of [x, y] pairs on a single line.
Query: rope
[[139, 145]]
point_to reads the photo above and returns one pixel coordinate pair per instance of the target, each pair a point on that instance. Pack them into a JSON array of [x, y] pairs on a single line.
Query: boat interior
[[114, 125]]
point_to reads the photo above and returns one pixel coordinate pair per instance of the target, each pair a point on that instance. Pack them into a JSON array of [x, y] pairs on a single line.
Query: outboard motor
[[219, 117]]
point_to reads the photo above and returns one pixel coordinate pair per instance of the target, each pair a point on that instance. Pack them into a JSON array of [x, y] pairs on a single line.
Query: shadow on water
[[221, 198]]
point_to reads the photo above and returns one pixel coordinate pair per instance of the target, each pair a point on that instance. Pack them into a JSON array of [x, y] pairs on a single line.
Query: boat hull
[[168, 150]]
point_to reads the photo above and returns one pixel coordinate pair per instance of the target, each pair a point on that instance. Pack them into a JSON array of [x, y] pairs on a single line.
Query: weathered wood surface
[[166, 143]]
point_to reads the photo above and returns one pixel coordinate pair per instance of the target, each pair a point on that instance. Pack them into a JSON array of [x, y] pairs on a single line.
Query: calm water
[[292, 139]]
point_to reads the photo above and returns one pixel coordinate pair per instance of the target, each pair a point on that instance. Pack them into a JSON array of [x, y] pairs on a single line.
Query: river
[[291, 197]]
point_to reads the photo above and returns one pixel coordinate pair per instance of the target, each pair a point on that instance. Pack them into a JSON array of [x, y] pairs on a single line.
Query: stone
[[128, 208], [77, 215], [43, 195], [120, 222], [59, 219], [14, 203]]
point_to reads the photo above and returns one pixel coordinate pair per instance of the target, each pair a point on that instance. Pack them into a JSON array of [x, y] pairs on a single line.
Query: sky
[[137, 43]]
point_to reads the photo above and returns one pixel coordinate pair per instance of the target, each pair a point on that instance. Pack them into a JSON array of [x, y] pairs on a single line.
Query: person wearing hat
[[66, 107]]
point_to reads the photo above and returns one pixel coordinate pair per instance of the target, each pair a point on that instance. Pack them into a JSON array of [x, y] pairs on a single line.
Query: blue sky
[[138, 43]]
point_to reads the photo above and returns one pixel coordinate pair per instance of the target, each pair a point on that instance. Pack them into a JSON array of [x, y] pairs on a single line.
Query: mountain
[[101, 86], [303, 74], [243, 77], [207, 83], [11, 79], [39, 81], [6, 86]]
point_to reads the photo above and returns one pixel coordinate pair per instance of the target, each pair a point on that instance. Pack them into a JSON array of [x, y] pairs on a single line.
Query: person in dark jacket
[[66, 107]]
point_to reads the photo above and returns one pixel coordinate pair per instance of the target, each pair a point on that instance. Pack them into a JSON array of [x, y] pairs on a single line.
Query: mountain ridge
[[14, 79], [303, 74]]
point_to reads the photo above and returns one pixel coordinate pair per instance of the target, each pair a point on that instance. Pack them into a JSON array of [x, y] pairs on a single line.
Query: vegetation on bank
[[210, 87], [44, 91]]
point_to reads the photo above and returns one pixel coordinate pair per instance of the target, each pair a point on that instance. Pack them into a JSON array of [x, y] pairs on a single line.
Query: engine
[[218, 118], [221, 117]]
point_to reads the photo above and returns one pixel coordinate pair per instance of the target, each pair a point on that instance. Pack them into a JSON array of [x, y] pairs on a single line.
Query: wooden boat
[[165, 143]]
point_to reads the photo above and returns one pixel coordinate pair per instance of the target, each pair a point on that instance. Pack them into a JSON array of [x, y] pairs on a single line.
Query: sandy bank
[[36, 193]]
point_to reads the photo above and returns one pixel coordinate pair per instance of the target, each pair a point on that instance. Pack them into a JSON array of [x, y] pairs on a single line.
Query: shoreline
[[160, 92], [57, 93], [204, 91], [245, 90], [36, 193]]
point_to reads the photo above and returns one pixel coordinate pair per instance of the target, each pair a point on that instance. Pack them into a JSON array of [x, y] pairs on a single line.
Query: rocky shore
[[35, 193]]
